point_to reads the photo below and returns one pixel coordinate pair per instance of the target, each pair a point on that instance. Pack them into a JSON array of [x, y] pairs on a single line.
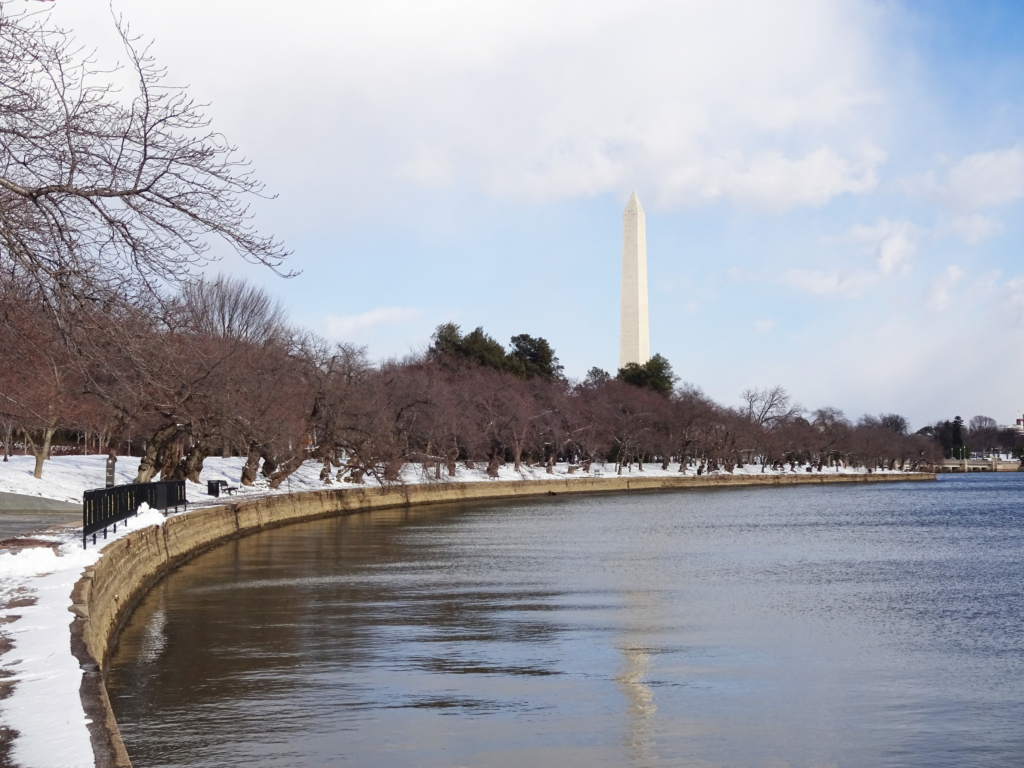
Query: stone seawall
[[104, 597]]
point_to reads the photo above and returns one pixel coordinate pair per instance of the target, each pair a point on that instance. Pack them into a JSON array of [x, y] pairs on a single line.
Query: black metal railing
[[106, 507]]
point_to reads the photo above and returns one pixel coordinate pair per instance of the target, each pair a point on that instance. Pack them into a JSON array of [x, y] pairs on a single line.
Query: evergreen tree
[[655, 374], [950, 435], [536, 357], [957, 435], [529, 356], [596, 377], [447, 340], [484, 350]]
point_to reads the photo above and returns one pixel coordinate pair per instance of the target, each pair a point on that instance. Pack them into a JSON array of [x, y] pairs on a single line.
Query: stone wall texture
[[104, 597]]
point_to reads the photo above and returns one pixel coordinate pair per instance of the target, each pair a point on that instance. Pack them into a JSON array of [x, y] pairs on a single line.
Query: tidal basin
[[877, 625]]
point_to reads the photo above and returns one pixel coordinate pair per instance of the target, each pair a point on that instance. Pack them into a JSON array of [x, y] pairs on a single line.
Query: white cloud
[[973, 228], [427, 169], [982, 180], [764, 104], [987, 179], [894, 242], [348, 327], [985, 287], [1010, 305], [773, 181], [763, 326], [828, 283], [940, 293]]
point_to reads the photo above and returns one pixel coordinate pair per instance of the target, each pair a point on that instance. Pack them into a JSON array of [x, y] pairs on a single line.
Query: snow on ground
[[65, 478], [45, 708], [47, 677]]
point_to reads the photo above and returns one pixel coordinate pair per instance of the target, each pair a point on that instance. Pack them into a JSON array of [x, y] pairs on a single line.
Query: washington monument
[[634, 333]]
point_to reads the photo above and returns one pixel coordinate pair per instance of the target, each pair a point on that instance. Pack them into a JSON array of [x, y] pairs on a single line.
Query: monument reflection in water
[[830, 626]]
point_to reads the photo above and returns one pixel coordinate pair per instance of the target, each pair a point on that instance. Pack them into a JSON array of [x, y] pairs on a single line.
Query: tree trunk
[[325, 471], [252, 465], [269, 464], [41, 450], [155, 452], [393, 470], [190, 467], [283, 471], [492, 466]]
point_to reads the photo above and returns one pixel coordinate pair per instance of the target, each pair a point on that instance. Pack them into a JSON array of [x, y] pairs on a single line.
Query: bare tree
[[982, 434], [765, 407], [40, 390], [831, 432], [895, 422], [104, 192]]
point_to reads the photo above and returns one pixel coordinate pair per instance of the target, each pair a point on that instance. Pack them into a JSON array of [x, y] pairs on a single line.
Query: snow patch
[[47, 677]]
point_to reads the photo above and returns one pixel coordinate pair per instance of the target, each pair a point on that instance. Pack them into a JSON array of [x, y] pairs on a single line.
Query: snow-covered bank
[[65, 478], [44, 707], [47, 677]]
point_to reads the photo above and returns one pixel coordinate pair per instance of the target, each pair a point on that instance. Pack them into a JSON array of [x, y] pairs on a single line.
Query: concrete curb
[[105, 595]]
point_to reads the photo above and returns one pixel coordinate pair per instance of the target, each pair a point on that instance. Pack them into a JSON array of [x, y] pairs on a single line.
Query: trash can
[[213, 488]]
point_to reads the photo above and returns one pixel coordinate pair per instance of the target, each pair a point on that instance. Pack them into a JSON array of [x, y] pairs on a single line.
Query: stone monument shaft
[[634, 333]]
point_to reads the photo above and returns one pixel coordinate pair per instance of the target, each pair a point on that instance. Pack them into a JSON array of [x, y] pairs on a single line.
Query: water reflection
[[639, 615], [799, 627], [640, 715]]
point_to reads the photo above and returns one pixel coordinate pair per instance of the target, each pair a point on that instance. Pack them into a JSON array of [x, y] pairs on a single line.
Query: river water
[[811, 626]]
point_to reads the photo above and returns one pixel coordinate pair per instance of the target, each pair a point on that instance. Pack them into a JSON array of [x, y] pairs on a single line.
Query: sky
[[832, 189]]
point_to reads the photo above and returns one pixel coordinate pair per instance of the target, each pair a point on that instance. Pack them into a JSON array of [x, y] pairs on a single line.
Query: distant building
[[1017, 426]]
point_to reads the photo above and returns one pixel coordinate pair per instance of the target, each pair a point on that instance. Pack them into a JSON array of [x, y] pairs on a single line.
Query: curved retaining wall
[[104, 597]]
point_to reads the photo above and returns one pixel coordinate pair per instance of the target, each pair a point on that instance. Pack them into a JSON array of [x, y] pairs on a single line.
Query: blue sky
[[833, 189]]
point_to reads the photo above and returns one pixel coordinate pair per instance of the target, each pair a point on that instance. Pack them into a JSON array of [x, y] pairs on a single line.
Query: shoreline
[[105, 595]]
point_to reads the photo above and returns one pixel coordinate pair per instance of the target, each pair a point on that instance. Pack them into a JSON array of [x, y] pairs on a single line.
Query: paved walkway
[[23, 514]]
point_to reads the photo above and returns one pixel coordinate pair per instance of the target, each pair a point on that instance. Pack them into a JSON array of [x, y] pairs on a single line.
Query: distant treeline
[[217, 370]]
